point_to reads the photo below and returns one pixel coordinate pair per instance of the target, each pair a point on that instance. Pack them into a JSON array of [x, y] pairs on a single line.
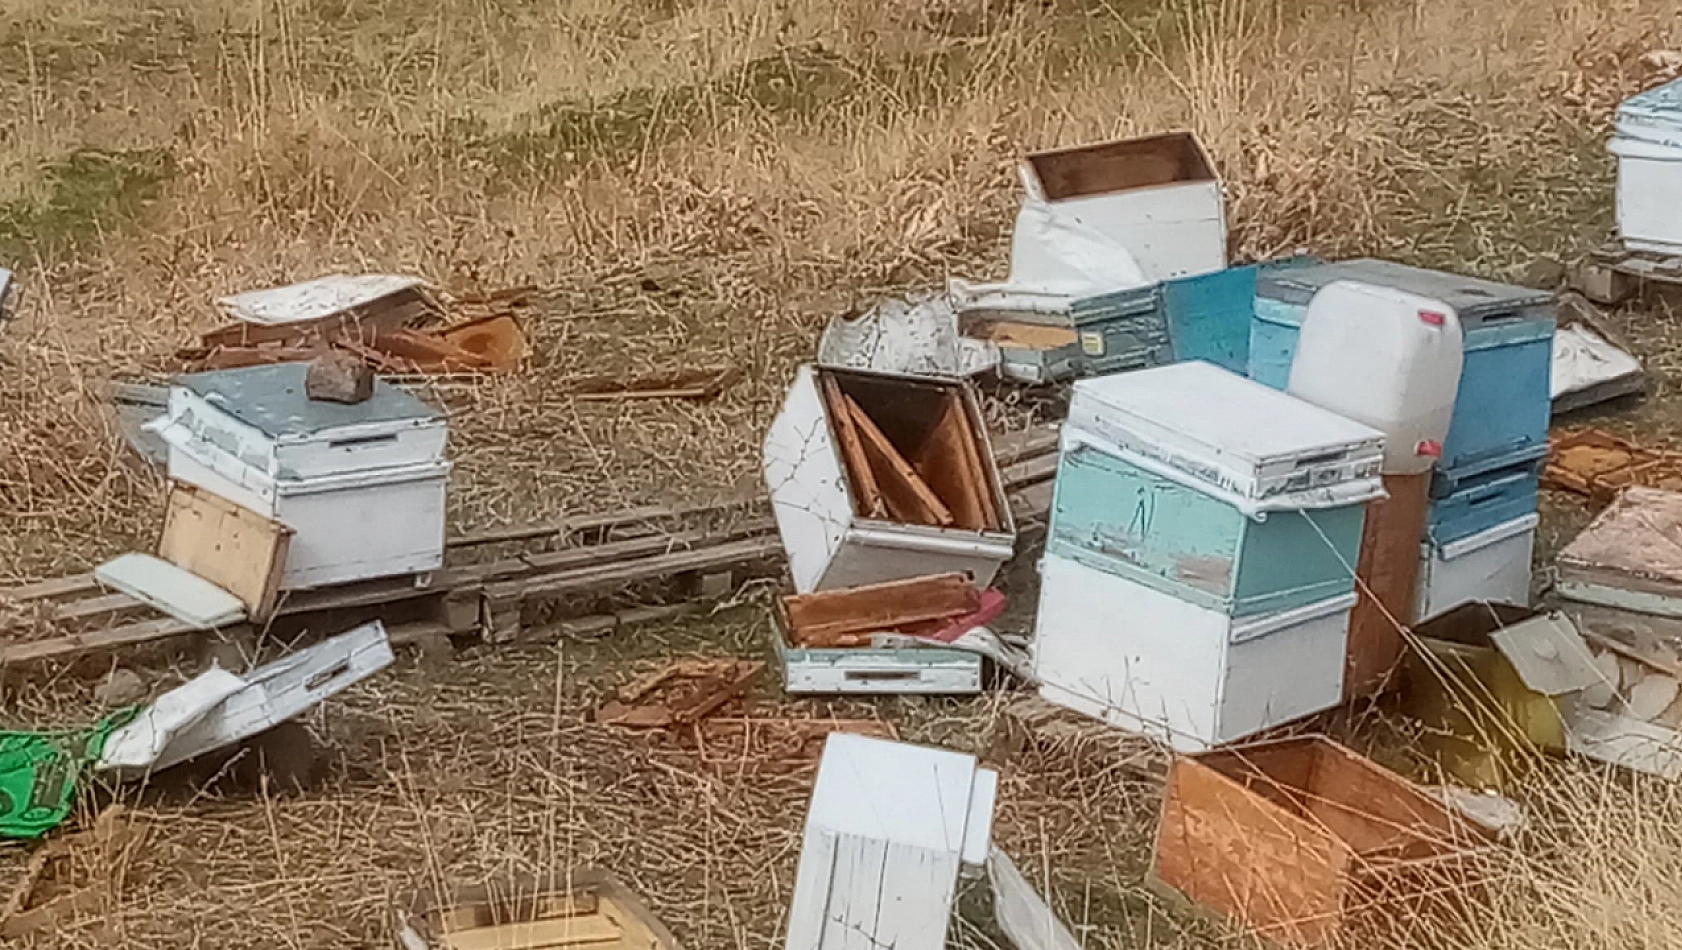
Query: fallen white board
[[186, 597]]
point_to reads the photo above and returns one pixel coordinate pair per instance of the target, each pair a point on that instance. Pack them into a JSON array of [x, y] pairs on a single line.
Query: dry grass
[[695, 183]]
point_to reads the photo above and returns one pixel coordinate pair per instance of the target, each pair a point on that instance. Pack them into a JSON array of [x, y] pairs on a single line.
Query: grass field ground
[[700, 182]]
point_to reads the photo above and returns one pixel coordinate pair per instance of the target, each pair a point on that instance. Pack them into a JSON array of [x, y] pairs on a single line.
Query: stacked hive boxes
[[1484, 493], [361, 486], [1199, 569]]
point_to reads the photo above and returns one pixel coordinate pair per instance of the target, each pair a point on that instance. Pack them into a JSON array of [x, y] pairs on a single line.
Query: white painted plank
[[186, 597]]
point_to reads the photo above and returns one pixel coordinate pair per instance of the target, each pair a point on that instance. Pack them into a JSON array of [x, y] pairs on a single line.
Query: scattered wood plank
[[826, 618], [679, 693], [867, 494]]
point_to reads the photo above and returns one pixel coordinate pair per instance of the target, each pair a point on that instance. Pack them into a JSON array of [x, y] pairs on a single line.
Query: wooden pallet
[[1612, 274], [492, 577]]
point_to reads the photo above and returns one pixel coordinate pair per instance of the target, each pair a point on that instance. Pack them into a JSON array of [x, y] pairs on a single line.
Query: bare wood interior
[[238, 550], [917, 447], [1149, 162], [591, 910]]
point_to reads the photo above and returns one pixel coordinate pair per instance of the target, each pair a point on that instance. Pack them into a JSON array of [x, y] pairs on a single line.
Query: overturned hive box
[[1304, 842], [587, 908], [878, 477]]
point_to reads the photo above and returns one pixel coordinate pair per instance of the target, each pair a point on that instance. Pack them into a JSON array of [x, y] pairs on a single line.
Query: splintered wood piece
[[680, 693], [867, 493], [498, 342], [950, 461], [817, 619], [909, 498]]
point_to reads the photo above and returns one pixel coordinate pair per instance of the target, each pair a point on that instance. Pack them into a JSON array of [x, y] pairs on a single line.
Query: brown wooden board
[[234, 548], [573, 910], [908, 497], [950, 462], [867, 494], [1388, 576], [679, 693], [820, 618]]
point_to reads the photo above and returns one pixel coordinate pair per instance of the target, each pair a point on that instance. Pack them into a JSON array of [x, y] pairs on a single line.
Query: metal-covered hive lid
[[1473, 299], [271, 399], [1654, 115], [1227, 431]]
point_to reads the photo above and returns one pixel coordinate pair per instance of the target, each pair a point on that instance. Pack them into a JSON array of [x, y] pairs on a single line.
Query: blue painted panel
[[1484, 502], [1209, 317], [1504, 403], [1113, 516], [1120, 331], [1273, 342], [1286, 561], [1445, 482]]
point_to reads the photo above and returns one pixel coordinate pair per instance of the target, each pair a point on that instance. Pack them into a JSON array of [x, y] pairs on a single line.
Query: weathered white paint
[[1151, 663], [1490, 565], [314, 299], [1022, 914], [828, 546], [888, 826], [1649, 192], [1623, 740], [878, 670], [1583, 360], [1230, 432], [212, 712], [186, 597]]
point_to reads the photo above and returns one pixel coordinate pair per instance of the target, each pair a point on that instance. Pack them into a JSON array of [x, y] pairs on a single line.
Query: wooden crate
[[1303, 841], [587, 908]]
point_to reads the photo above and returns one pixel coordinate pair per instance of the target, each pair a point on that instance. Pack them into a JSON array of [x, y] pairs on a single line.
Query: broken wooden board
[[1598, 464], [950, 462], [679, 693], [1630, 556], [232, 547], [497, 341], [586, 909], [849, 616]]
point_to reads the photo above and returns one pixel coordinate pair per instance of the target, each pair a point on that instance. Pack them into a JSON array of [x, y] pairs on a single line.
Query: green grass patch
[[81, 196]]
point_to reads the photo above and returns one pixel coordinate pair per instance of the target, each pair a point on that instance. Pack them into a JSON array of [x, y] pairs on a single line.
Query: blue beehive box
[[1201, 484], [1503, 404], [1109, 333], [1209, 316], [1480, 502]]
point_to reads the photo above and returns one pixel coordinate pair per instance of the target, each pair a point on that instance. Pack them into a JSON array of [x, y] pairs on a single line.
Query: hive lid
[[904, 794], [1548, 653], [1224, 429], [1654, 115], [1472, 298], [271, 400]]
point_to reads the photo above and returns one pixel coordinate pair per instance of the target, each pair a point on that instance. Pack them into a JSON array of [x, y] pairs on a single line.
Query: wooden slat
[[94, 606], [909, 499], [605, 575], [867, 500], [53, 588], [816, 619], [59, 647]]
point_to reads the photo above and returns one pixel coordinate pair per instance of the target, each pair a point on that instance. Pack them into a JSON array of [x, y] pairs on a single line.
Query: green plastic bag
[[38, 773]]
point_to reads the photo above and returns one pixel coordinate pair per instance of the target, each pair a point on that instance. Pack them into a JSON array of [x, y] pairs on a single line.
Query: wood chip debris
[[1598, 464], [680, 693]]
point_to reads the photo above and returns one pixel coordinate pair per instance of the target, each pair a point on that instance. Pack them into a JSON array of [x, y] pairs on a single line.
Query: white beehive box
[[1648, 144], [1159, 197], [832, 541], [362, 486], [1492, 565], [888, 827], [1154, 664], [1252, 443]]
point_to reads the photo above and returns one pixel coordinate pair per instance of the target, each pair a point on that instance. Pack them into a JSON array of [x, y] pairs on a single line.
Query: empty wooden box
[[1298, 840], [586, 909]]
